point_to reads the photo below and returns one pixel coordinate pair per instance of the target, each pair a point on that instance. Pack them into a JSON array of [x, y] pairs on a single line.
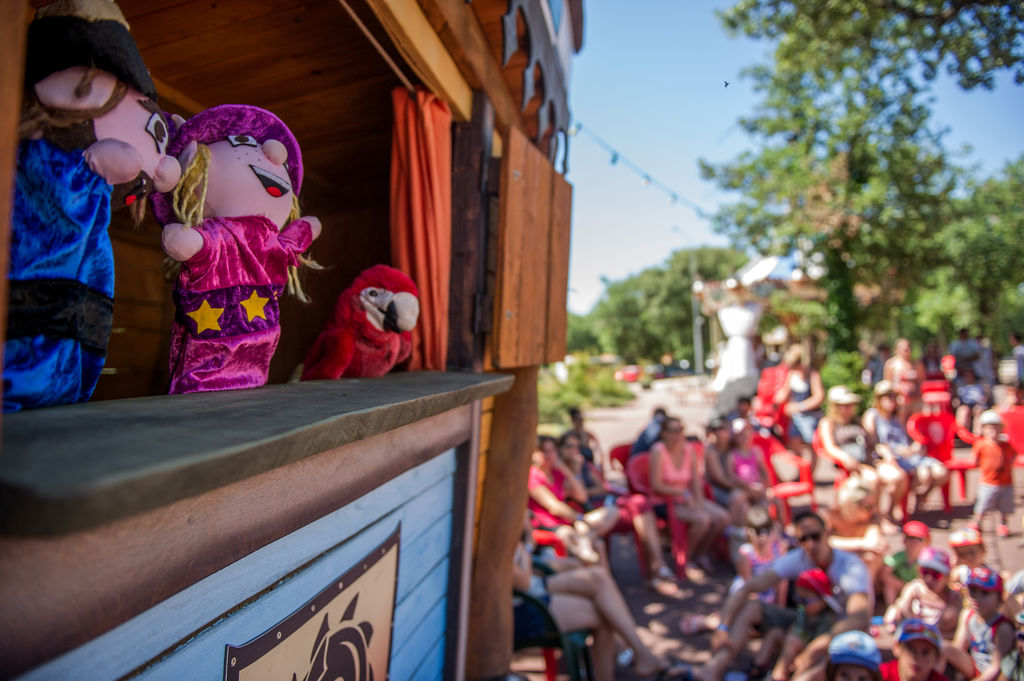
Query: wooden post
[[12, 75], [502, 508], [469, 316]]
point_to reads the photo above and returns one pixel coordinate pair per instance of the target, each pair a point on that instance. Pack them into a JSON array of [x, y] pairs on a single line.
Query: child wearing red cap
[[816, 612], [984, 635], [901, 567], [917, 649]]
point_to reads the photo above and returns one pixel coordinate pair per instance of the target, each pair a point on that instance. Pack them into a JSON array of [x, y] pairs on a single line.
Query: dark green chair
[[573, 644]]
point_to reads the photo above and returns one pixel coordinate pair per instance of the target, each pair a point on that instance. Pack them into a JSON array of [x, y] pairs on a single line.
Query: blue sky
[[649, 82]]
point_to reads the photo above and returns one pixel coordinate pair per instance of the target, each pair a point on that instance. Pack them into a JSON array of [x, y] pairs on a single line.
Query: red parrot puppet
[[368, 333]]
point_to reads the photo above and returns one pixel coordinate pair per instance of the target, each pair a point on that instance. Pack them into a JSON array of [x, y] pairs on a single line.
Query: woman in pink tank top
[[675, 473]]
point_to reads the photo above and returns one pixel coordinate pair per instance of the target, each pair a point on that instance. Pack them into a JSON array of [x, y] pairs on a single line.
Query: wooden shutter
[[533, 258]]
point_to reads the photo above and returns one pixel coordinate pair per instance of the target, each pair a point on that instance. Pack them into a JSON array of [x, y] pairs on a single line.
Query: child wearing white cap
[[995, 463]]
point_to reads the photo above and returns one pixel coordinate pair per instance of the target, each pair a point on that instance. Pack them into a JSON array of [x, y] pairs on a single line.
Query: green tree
[[580, 336], [984, 248], [849, 165], [649, 314]]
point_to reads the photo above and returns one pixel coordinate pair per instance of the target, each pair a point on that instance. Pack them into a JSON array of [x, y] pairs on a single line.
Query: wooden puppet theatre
[[233, 223], [92, 140]]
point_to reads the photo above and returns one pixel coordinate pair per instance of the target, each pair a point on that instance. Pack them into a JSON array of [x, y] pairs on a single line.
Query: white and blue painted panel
[[184, 636]]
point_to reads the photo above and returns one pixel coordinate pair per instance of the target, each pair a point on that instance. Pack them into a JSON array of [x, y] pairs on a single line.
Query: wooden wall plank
[[457, 25], [558, 269], [424, 52], [409, 655], [13, 16]]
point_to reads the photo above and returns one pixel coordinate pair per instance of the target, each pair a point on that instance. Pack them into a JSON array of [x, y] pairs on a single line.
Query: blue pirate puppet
[[92, 140]]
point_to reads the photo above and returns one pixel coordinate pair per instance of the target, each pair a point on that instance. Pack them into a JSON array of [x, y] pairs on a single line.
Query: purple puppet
[[239, 238]]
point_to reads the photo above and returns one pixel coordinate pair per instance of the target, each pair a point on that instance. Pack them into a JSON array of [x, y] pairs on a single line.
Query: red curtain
[[421, 215]]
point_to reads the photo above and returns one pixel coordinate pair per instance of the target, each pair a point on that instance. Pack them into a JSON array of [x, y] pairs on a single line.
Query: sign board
[[342, 632]]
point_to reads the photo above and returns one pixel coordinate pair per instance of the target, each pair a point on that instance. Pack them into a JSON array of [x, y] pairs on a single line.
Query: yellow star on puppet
[[206, 317], [254, 306]]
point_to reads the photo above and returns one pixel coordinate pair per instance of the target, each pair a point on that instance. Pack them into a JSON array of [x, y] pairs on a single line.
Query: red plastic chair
[[841, 473], [773, 451], [549, 538], [620, 453], [1013, 428], [638, 472], [937, 433], [767, 412]]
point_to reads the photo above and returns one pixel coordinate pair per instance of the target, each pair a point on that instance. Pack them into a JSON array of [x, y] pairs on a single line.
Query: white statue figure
[[739, 322]]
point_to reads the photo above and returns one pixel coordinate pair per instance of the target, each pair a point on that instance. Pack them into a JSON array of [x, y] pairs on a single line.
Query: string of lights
[[649, 180]]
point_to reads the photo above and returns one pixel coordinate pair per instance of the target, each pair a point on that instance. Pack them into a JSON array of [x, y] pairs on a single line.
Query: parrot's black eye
[[373, 294]]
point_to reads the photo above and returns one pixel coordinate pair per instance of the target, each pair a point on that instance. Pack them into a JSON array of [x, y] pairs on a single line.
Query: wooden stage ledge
[[69, 468]]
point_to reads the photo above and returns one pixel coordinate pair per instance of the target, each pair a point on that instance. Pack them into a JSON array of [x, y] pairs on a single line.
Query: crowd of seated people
[[810, 588]]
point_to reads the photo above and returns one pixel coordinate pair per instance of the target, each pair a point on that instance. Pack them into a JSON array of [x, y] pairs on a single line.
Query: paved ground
[[657, 616]]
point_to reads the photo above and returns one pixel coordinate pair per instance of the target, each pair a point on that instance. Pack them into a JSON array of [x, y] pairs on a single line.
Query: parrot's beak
[[391, 318], [401, 313]]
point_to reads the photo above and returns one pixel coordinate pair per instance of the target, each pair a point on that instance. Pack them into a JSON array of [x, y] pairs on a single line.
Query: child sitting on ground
[[853, 656], [928, 597], [968, 553], [917, 649], [995, 463], [984, 636], [764, 544], [901, 567], [816, 612]]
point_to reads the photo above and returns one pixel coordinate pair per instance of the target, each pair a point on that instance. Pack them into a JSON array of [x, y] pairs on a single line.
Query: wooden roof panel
[[305, 60]]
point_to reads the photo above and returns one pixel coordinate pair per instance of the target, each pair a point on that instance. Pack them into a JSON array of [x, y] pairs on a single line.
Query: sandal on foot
[[677, 671], [756, 672], [690, 625]]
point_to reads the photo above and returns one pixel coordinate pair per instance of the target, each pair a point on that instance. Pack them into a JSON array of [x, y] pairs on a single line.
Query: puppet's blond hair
[[190, 193]]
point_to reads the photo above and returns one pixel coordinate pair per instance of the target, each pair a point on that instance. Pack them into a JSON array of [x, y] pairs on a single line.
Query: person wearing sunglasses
[[984, 635], [851, 587], [928, 597]]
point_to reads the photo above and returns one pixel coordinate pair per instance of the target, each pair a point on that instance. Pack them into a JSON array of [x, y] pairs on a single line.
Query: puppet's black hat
[[71, 33]]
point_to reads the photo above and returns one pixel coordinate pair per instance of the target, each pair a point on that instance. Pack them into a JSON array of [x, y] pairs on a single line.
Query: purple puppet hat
[[219, 123]]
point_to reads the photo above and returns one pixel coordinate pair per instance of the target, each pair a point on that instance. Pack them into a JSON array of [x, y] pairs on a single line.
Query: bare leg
[[572, 613], [792, 647], [597, 588], [603, 654], [815, 654], [699, 525], [718, 518], [739, 634], [770, 643], [738, 506], [646, 527]]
